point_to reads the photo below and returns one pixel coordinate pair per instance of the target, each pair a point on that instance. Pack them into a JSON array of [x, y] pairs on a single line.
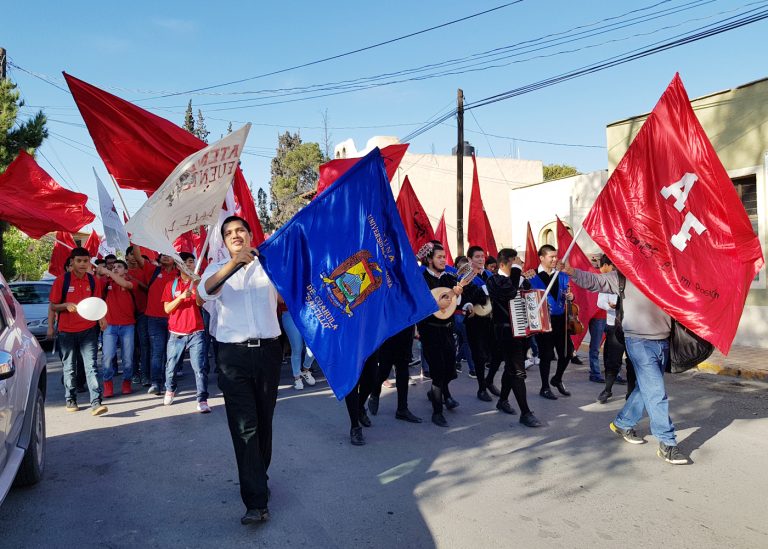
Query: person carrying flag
[[121, 320]]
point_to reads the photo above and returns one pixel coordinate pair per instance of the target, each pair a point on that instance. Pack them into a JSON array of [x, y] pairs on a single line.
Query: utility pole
[[460, 171], [2, 63]]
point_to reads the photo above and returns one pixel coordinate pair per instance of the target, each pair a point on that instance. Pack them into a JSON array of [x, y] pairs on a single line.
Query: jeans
[[649, 358], [533, 344], [597, 328], [157, 328], [109, 350], [196, 344], [296, 341], [463, 343], [87, 344], [142, 336]]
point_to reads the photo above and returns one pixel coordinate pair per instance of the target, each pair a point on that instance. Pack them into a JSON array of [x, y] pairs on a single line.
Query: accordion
[[526, 318]]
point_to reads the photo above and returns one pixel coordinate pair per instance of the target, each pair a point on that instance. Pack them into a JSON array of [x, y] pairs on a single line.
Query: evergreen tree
[[189, 119], [201, 131], [263, 211], [294, 173], [558, 171]]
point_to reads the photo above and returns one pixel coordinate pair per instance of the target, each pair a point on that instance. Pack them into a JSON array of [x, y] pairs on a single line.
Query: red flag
[[417, 225], [36, 204], [331, 171], [531, 252], [479, 232], [671, 221], [140, 149], [62, 248], [92, 244], [441, 234], [586, 301]]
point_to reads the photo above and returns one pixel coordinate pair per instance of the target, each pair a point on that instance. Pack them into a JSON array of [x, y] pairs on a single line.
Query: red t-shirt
[[186, 318], [140, 275], [119, 305], [155, 293], [79, 289]]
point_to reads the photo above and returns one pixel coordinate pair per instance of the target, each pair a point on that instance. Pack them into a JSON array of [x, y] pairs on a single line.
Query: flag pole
[[204, 248], [120, 195], [564, 259], [63, 244]]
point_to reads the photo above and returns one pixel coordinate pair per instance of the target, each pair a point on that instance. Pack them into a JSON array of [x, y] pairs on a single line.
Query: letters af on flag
[[670, 220]]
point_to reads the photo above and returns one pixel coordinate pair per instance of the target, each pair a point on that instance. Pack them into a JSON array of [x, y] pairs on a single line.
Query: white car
[[22, 397]]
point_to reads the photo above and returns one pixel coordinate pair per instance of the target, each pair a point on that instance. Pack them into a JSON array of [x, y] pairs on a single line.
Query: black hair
[[129, 250], [68, 262], [546, 248], [605, 260], [110, 256], [100, 262], [460, 259], [186, 255], [506, 255], [121, 262], [473, 250], [80, 252], [490, 260], [232, 218]]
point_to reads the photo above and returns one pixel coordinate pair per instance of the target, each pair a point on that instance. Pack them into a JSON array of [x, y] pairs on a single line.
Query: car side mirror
[[7, 369]]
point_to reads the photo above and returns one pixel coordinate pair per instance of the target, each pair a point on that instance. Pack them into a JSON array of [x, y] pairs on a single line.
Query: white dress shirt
[[245, 306], [604, 301]]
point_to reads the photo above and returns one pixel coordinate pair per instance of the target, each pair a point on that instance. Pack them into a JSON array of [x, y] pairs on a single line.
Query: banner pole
[[204, 248], [564, 259], [63, 244], [120, 195]]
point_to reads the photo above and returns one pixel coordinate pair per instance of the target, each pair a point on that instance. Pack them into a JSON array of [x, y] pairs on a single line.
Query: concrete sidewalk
[[745, 362]]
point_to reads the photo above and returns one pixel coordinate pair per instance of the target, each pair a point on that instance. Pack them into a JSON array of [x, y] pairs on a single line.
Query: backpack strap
[[173, 287], [154, 277], [620, 300], [91, 282]]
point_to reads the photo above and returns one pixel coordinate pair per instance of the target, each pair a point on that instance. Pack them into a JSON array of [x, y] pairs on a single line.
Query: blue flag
[[347, 273]]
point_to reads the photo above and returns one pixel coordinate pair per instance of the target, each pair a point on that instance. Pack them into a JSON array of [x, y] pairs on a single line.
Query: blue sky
[[140, 50]]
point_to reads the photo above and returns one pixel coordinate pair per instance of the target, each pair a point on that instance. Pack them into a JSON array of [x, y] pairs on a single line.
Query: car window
[[8, 297], [31, 294]]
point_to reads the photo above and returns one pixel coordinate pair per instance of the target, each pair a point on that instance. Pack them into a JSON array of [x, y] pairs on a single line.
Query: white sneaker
[[536, 361], [298, 384], [528, 363], [168, 398], [306, 375], [203, 407]]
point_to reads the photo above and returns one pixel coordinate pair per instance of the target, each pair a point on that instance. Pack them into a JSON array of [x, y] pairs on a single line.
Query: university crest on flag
[[345, 268]]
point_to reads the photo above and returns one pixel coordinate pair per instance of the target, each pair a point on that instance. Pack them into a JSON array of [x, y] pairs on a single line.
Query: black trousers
[[396, 352], [480, 336], [357, 397], [512, 351], [248, 378], [551, 343], [439, 351], [613, 353]]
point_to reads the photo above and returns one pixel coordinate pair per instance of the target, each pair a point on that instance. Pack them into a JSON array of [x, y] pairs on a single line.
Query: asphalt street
[[145, 475]]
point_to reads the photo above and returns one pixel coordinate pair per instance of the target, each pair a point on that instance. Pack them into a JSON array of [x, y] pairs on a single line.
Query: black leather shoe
[[530, 420], [603, 397], [439, 420], [493, 389], [484, 396], [560, 387], [252, 516], [356, 436], [373, 404], [546, 393], [451, 403], [406, 415], [576, 360], [365, 421], [505, 406]]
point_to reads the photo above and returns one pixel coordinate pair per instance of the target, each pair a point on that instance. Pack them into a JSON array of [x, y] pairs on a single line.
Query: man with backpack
[[121, 320], [77, 334]]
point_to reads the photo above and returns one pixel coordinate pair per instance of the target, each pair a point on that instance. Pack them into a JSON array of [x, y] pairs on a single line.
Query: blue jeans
[[596, 330], [296, 341], [650, 358], [109, 350], [158, 339], [196, 344], [142, 336], [86, 343], [462, 342], [534, 346]]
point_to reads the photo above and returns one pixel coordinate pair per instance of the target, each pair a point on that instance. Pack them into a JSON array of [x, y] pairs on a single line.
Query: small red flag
[[92, 244], [415, 220], [62, 249], [34, 203], [441, 234], [479, 232], [331, 171], [671, 221], [531, 252]]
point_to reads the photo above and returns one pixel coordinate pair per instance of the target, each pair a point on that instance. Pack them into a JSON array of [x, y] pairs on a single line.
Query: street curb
[[733, 371]]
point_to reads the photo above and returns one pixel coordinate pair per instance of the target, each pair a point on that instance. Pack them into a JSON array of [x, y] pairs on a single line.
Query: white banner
[[216, 249], [191, 196], [114, 231]]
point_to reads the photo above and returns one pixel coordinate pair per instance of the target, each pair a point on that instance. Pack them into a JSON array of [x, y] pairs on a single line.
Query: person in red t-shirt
[[186, 331], [120, 325], [77, 333], [138, 275]]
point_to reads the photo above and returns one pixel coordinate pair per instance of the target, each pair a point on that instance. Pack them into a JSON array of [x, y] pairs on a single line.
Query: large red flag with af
[[331, 171], [586, 301], [441, 234], [141, 149], [34, 203], [671, 221], [479, 232], [415, 220]]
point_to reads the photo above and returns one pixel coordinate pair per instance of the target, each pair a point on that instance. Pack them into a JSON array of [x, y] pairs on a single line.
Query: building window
[[746, 188], [749, 185]]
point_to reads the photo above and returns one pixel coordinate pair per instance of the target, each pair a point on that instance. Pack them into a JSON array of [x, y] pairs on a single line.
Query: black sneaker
[[576, 360], [98, 409], [365, 421], [72, 405], [253, 516], [458, 367], [451, 403], [530, 420], [672, 454], [505, 406], [407, 415], [439, 420], [356, 436], [155, 390], [472, 374], [484, 396], [373, 404], [604, 395], [145, 382], [627, 434], [426, 375]]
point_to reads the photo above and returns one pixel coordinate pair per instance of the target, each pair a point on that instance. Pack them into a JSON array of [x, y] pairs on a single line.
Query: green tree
[[294, 173], [27, 258], [558, 171], [201, 131], [262, 209], [15, 135], [189, 119]]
